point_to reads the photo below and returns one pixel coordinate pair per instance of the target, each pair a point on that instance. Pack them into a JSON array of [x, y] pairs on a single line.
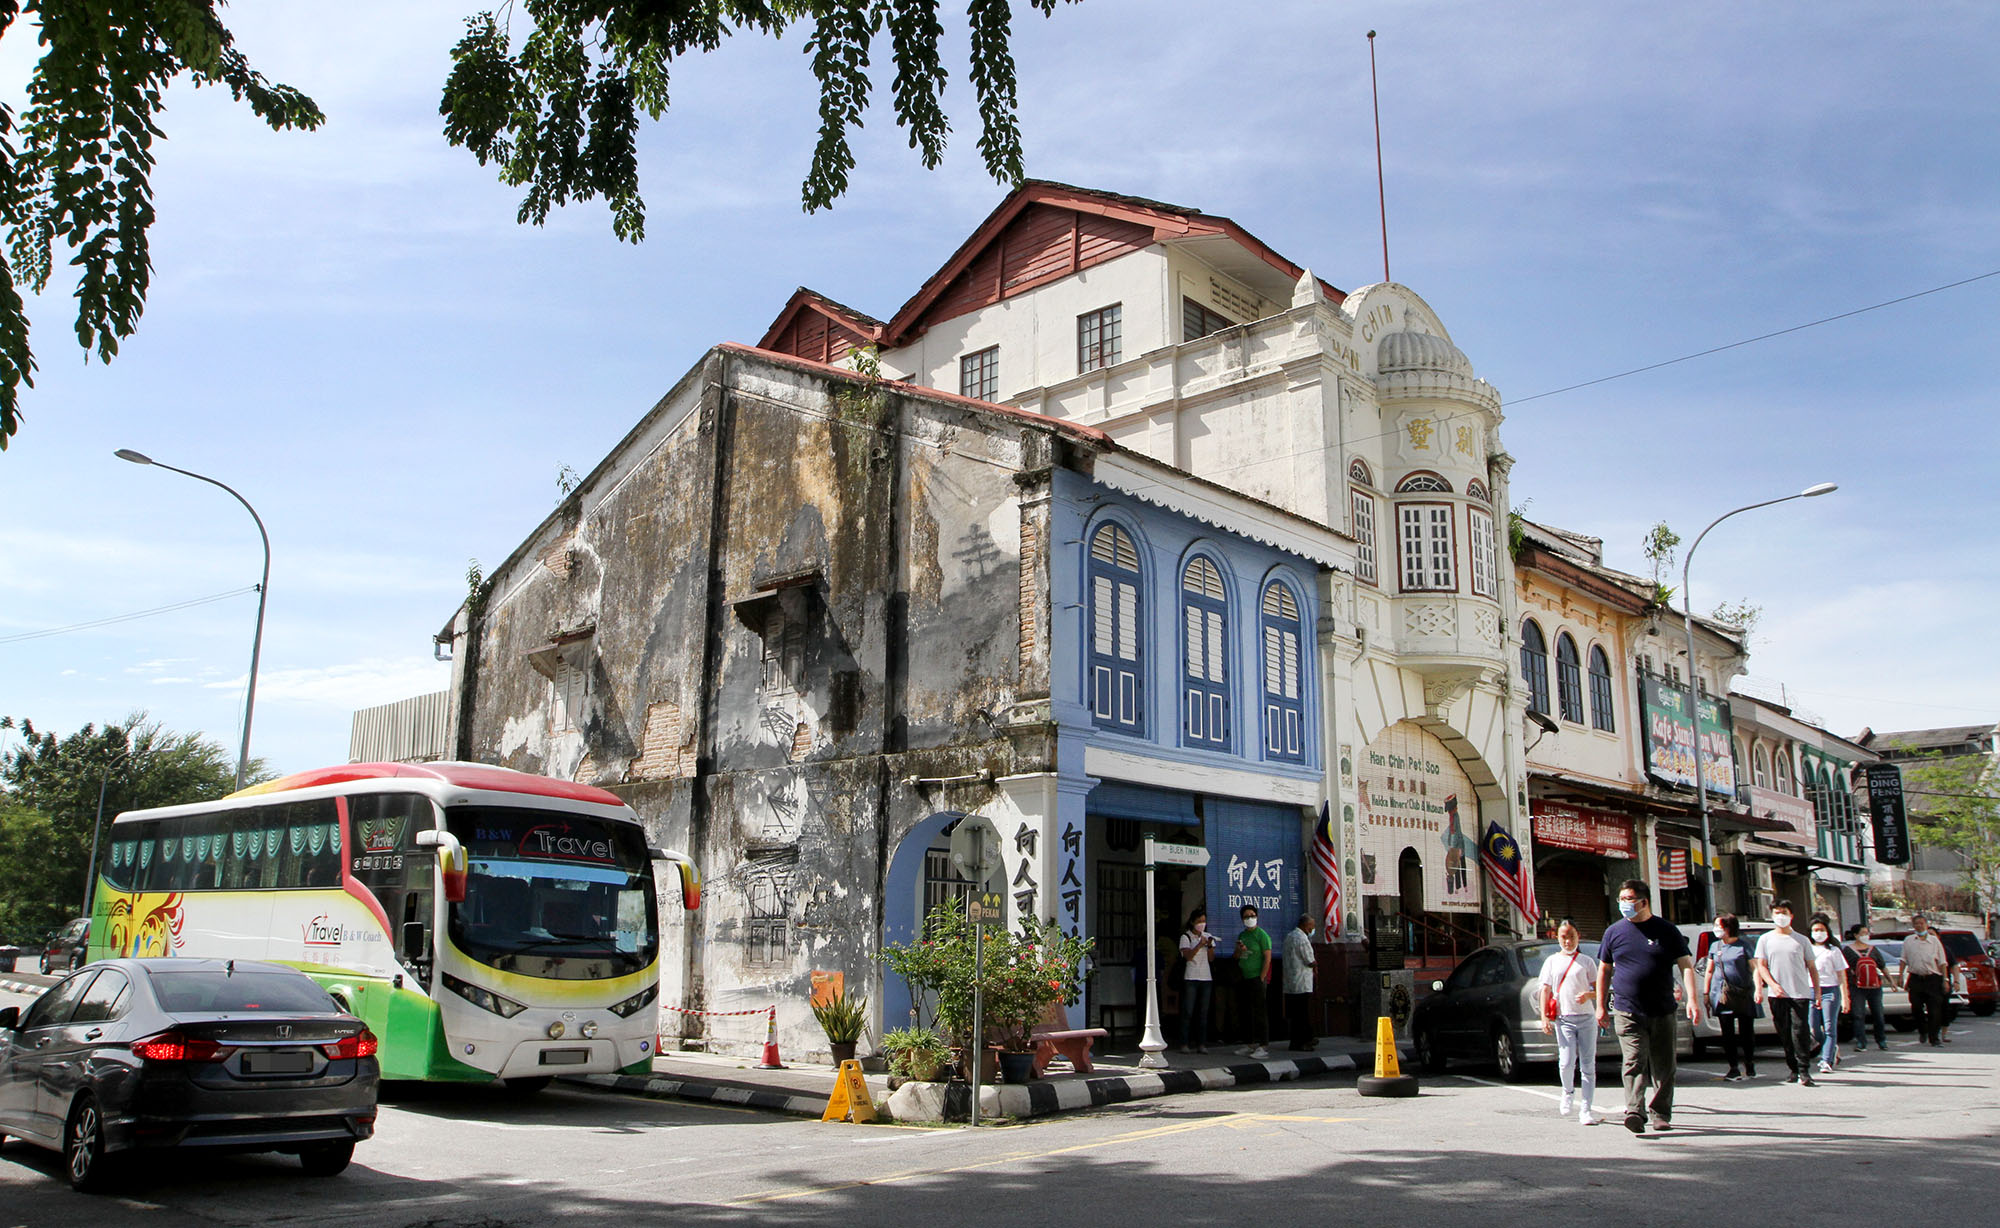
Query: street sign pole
[[975, 853], [1154, 1046], [978, 1013]]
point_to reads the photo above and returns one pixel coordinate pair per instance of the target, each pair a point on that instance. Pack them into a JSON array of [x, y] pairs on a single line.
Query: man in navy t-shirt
[[1635, 981]]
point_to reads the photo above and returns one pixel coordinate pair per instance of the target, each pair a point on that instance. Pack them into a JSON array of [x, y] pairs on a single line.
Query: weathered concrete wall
[[795, 597]]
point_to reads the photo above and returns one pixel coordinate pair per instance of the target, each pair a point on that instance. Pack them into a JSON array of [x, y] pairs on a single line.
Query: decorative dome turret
[[1407, 351]]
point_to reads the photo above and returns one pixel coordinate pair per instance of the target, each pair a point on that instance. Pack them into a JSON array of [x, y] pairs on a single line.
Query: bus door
[[387, 861]]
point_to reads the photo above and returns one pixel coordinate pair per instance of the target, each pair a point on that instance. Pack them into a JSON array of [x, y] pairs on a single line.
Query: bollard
[[1388, 1079]]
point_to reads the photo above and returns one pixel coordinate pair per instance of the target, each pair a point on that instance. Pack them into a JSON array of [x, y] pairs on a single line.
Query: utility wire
[[126, 618], [1753, 340]]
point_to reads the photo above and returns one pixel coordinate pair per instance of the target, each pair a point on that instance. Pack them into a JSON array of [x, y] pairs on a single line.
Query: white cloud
[[358, 684]]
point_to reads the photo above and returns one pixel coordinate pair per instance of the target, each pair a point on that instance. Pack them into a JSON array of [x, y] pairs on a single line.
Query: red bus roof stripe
[[463, 775]]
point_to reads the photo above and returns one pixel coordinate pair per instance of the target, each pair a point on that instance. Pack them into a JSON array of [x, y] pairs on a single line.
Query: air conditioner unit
[[1760, 875]]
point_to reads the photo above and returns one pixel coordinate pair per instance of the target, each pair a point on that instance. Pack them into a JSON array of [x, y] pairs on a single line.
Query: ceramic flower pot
[[1017, 1067], [843, 1050]]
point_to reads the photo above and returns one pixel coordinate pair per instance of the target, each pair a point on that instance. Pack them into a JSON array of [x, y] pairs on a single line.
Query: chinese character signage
[[1885, 802], [1256, 857], [1583, 830], [1670, 738], [1414, 796]]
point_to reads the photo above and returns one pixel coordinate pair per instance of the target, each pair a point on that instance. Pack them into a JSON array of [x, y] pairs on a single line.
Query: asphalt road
[[1910, 1134]]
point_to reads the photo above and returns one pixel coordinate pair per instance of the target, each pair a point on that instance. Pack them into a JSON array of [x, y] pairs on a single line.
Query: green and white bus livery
[[485, 923]]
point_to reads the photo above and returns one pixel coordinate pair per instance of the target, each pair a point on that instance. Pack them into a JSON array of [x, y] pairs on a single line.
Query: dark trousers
[[1739, 1041], [1927, 1005], [1195, 997], [1867, 1006], [1793, 1019], [1254, 1012], [1646, 1042], [1298, 1016]]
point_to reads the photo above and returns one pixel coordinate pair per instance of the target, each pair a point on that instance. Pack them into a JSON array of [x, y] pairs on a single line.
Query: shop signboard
[[1583, 830], [1255, 857], [1415, 797], [1783, 807], [1670, 738], [1885, 803]]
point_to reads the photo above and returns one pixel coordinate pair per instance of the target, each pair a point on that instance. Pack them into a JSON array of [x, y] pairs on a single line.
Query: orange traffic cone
[[771, 1061]]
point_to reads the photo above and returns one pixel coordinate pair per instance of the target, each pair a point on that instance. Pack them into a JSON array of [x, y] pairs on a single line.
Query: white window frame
[[1425, 550], [1485, 562], [1361, 506]]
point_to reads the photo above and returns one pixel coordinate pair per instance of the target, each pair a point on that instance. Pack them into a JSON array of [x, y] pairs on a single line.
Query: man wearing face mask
[[1253, 960], [1926, 972], [1788, 978], [1638, 957]]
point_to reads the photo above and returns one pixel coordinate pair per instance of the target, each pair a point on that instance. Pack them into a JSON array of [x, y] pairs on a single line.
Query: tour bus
[[485, 923]]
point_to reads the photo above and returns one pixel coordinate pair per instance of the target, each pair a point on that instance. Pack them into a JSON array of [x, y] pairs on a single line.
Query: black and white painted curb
[[26, 987], [1038, 1099]]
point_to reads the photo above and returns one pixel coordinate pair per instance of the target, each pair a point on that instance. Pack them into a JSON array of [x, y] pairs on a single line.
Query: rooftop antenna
[[1380, 197]]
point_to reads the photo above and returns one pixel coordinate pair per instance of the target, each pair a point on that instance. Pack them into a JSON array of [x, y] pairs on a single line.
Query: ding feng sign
[[1670, 738], [1885, 802]]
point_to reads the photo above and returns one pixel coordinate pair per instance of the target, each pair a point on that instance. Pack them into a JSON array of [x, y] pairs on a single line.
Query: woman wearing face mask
[[1831, 963], [1866, 967], [1570, 977], [1197, 984], [1730, 989]]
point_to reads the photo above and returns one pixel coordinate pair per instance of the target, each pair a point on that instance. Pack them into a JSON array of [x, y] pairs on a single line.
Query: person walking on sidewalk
[[1197, 982], [1788, 979], [1731, 990], [1925, 975], [1832, 1001], [1635, 980], [1865, 987], [1569, 977], [1253, 960], [1299, 985]]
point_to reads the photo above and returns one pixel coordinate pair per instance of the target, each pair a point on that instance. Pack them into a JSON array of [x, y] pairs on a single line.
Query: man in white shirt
[[1299, 984], [1789, 982], [1925, 973]]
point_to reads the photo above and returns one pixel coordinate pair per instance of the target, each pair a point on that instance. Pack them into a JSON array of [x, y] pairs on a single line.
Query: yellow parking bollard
[[1388, 1079]]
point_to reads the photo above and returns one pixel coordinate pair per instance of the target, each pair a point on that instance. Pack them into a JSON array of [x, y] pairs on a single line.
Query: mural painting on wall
[[1414, 795]]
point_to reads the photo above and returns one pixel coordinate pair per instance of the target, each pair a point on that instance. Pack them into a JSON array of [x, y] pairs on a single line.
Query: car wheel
[[45, 963], [1984, 1007], [527, 1087], [1700, 1047], [1430, 1059], [76, 961], [84, 1161], [326, 1159], [1505, 1056]]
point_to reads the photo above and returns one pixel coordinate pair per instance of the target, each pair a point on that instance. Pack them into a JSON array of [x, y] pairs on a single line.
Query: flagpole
[[1381, 197]]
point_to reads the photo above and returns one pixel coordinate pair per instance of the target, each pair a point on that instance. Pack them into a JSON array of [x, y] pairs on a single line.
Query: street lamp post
[[90, 875], [1694, 688], [263, 590]]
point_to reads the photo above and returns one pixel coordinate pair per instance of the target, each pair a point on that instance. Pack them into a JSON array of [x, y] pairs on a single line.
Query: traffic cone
[[1388, 1079], [771, 1061]]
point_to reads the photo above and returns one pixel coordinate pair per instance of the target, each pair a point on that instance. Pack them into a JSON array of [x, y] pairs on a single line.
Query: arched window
[[1784, 765], [1423, 482], [1760, 767], [1357, 471], [1361, 518], [1476, 489], [1569, 679], [1535, 666], [1205, 656], [1600, 691], [1117, 689], [1284, 676]]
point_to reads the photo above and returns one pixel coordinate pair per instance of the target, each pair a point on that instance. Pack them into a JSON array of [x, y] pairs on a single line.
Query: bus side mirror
[[10, 1019], [690, 877], [416, 941], [451, 861]]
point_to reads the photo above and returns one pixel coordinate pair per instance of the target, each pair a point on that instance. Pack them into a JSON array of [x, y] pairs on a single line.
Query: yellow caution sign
[[1385, 1049], [850, 1096]]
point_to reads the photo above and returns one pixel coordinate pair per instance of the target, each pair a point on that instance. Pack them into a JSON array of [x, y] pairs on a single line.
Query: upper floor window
[[1357, 470], [1426, 547], [1569, 678], [1535, 666], [1362, 503], [1284, 676], [1205, 682], [1476, 489], [1198, 321], [1760, 768], [1097, 338], [979, 374], [1485, 564], [1784, 770], [1116, 688], [1600, 691], [1423, 482]]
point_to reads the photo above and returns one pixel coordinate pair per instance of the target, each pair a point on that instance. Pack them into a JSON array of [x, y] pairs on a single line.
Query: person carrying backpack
[[1866, 963]]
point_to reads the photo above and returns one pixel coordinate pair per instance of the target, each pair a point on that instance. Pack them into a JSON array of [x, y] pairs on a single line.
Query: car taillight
[[362, 1044], [175, 1047]]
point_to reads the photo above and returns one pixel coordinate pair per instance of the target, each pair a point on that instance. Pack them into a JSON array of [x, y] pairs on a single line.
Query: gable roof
[[814, 326], [1131, 218]]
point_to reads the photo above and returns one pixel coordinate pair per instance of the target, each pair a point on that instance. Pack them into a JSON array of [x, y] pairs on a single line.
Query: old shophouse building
[[1799, 775]]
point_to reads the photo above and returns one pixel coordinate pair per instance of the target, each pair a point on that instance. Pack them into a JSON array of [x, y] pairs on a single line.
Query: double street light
[[1694, 687], [263, 589]]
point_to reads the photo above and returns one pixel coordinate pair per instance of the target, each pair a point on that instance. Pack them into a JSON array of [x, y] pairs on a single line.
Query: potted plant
[[842, 1019], [916, 1053]]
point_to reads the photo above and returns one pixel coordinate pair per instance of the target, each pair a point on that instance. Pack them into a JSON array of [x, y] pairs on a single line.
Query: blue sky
[[350, 328]]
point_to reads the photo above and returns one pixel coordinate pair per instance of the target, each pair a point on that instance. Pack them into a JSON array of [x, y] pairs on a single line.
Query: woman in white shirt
[[1830, 967], [1571, 977], [1197, 982]]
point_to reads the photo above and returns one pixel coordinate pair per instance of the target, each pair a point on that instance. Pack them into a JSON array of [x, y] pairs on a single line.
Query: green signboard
[[1670, 738]]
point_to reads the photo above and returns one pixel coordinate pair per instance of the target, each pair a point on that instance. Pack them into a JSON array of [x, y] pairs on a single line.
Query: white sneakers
[[1585, 1116], [1581, 1108], [1825, 1068], [1259, 1053], [1568, 1103]]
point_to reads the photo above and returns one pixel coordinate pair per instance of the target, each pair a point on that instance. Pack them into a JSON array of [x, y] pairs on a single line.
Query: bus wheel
[[527, 1087]]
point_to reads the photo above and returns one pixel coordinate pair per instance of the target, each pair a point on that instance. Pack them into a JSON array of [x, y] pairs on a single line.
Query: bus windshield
[[548, 894]]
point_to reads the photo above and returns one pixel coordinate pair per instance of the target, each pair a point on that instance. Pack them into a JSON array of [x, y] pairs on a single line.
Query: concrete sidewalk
[[1116, 1077]]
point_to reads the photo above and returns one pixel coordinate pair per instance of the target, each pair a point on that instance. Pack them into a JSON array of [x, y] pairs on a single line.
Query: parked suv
[[66, 949], [1962, 947]]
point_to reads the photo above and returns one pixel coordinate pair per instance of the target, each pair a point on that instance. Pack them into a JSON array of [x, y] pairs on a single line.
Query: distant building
[[1803, 777], [1940, 874], [413, 730]]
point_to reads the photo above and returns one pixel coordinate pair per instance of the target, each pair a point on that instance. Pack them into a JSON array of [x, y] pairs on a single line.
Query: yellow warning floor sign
[[850, 1096]]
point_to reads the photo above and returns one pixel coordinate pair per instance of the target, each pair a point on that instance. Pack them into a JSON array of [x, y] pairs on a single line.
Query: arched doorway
[[904, 900], [1410, 883]]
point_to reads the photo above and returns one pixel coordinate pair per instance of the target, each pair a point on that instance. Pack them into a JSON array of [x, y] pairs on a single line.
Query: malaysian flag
[[1673, 869], [1329, 870], [1501, 858]]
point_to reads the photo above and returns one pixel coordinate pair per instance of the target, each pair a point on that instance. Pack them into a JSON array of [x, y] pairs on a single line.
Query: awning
[[1753, 847], [570, 648]]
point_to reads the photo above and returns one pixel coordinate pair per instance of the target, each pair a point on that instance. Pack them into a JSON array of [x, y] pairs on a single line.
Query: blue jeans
[[1826, 1024], [1576, 1053], [1867, 1008], [1195, 997]]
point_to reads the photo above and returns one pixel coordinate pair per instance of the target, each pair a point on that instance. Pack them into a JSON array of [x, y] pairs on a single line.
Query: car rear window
[[1958, 944], [194, 992]]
